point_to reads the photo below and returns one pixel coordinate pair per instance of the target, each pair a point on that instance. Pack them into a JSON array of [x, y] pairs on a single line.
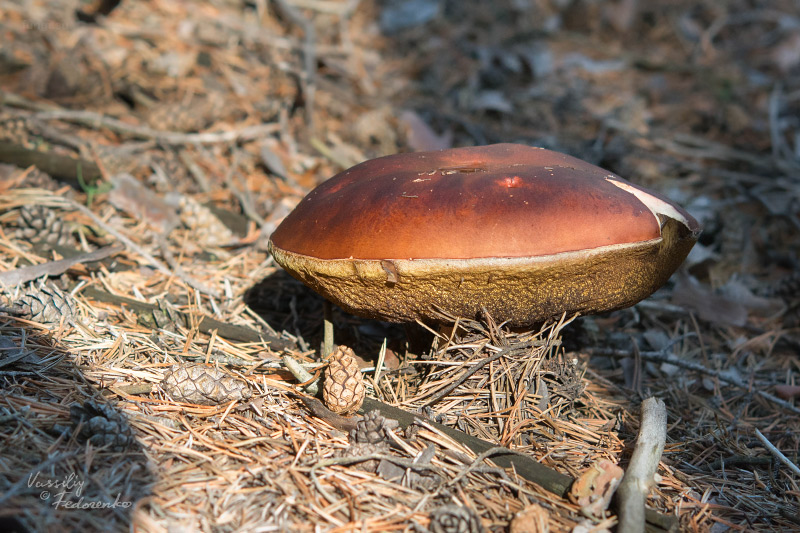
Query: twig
[[777, 453], [661, 357], [525, 466], [327, 7], [344, 461], [204, 324], [178, 269], [242, 193], [774, 128], [11, 99], [478, 460], [136, 248], [58, 165], [301, 374], [318, 409], [309, 57], [379, 363], [323, 149], [96, 120], [54, 268], [638, 478]]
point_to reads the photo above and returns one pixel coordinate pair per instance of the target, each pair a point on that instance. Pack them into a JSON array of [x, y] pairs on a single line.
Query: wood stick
[[722, 375], [58, 165], [54, 268], [639, 477], [206, 325]]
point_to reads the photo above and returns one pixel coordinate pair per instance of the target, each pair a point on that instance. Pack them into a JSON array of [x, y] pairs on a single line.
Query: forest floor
[[149, 149]]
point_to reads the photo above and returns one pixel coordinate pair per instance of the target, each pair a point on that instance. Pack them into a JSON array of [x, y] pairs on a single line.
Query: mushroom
[[524, 233]]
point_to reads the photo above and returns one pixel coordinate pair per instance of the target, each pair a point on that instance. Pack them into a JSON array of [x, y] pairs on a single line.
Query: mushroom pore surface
[[522, 232]]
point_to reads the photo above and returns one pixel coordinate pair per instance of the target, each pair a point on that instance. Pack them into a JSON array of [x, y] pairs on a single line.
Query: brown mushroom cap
[[525, 233]]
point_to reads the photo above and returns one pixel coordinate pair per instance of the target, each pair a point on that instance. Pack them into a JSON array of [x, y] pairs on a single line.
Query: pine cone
[[14, 130], [41, 224], [372, 428], [116, 160], [170, 164], [359, 449], [343, 391], [101, 425], [36, 179], [46, 305], [455, 519], [207, 228], [168, 116], [203, 385], [787, 289], [165, 317]]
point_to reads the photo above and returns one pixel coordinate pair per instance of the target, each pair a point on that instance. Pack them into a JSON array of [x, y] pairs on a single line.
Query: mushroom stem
[[327, 331]]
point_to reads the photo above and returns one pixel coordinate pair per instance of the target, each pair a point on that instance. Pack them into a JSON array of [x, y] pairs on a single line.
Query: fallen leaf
[[708, 305], [533, 519], [787, 54], [140, 202], [273, 156], [621, 15], [595, 486], [492, 101], [787, 392], [421, 137], [400, 16]]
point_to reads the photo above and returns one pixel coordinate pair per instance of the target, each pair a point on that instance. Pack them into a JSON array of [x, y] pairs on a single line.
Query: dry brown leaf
[[533, 519], [787, 54], [706, 304], [787, 392], [143, 204], [595, 487], [421, 137]]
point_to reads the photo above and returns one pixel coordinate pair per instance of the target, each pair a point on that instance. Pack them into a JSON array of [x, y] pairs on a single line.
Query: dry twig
[[96, 120], [54, 268], [638, 479], [777, 453]]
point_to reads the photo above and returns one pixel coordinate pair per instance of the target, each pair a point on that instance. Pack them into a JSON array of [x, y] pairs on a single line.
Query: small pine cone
[[116, 160], [41, 224], [787, 289], [343, 391], [46, 305], [165, 317], [36, 179], [455, 519], [359, 449], [372, 428], [168, 116], [14, 130], [207, 228], [203, 385], [171, 165], [101, 425]]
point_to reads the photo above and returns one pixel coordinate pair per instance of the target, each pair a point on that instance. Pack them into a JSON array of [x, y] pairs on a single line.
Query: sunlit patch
[[511, 182]]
